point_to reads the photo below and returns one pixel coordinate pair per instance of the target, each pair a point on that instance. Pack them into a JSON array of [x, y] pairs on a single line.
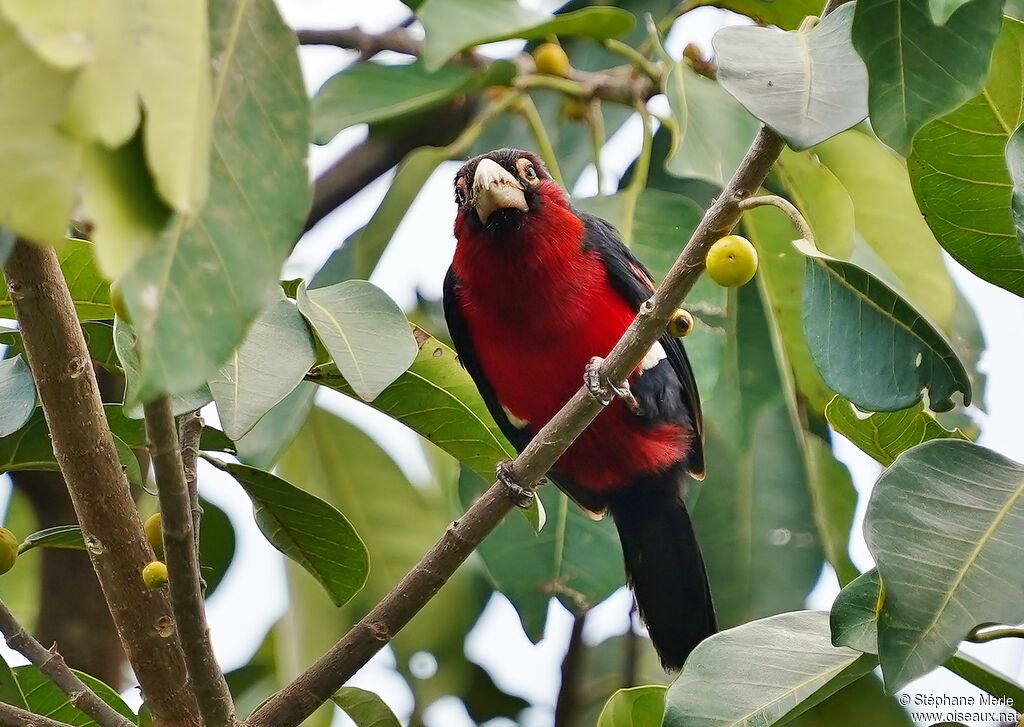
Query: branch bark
[[84, 449], [11, 716], [52, 665], [568, 703], [208, 682], [399, 40]]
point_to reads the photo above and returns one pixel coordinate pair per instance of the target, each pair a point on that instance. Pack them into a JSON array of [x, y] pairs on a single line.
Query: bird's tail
[[664, 567]]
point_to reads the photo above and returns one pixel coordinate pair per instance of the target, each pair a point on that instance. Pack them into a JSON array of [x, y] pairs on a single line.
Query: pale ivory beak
[[495, 189]]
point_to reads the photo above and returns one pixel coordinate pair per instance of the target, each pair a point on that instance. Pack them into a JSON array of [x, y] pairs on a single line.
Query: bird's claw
[[521, 496], [604, 391]]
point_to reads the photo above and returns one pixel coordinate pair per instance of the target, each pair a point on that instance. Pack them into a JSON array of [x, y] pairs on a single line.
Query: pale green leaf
[[263, 444], [90, 293], [61, 536], [634, 707], [854, 616], [18, 394], [786, 14], [365, 708]]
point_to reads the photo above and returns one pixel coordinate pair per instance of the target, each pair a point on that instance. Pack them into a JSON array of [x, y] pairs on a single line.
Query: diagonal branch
[[11, 716], [183, 565], [52, 665], [399, 40], [84, 449]]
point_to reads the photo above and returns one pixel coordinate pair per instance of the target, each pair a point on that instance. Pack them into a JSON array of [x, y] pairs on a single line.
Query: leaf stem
[[787, 209], [540, 134], [984, 634], [653, 71], [595, 123], [638, 181], [52, 665]]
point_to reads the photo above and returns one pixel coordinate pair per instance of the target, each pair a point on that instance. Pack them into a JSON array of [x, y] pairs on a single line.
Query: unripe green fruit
[[155, 534], [551, 59], [154, 575], [732, 261], [8, 550]]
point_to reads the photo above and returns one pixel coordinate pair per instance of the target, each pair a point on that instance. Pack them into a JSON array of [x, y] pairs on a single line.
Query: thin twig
[[595, 124], [568, 703], [52, 665], [183, 566], [787, 208], [540, 135], [637, 183], [11, 716], [631, 651], [189, 432], [984, 634], [652, 70], [399, 40]]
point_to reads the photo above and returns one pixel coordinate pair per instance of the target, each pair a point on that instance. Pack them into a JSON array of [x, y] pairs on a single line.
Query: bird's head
[[503, 191]]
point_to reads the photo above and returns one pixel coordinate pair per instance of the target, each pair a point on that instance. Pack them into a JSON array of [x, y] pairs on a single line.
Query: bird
[[537, 293]]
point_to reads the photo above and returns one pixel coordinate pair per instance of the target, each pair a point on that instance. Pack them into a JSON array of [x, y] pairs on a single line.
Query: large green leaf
[[436, 399], [308, 530], [194, 293], [884, 435], [634, 707], [711, 132], [263, 444], [367, 92], [854, 616], [959, 172], [888, 222], [918, 70], [365, 332], [787, 14], [869, 344], [1015, 166], [89, 291], [272, 360], [18, 394], [121, 50], [808, 86], [771, 670], [365, 708], [454, 25], [43, 697], [958, 508], [861, 703], [573, 558]]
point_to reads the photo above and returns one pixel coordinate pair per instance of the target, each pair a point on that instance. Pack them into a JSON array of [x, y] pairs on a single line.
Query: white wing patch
[[652, 358], [513, 419]]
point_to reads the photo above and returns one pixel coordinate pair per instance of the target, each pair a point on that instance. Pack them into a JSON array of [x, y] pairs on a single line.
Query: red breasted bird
[[536, 291]]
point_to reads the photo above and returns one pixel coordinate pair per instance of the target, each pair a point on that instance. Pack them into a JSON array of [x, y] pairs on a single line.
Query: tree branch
[[52, 665], [190, 433], [211, 690], [84, 449], [568, 702], [399, 40], [11, 716]]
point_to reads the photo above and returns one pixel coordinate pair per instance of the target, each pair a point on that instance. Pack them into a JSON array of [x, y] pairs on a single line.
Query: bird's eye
[[461, 196], [527, 170]]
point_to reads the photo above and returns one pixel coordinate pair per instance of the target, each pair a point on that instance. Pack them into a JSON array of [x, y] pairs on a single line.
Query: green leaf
[[835, 501], [1015, 166], [263, 444], [17, 392], [772, 670], [308, 530], [888, 222], [21, 584], [787, 14], [359, 254], [918, 70], [898, 352], [854, 617], [194, 293], [273, 359], [367, 92], [43, 697], [61, 536], [365, 332], [38, 187], [710, 131], [942, 10], [861, 703], [982, 676], [807, 86], [635, 707], [437, 399], [454, 25], [89, 291], [10, 692], [121, 50], [216, 545], [958, 508], [365, 708], [884, 435], [959, 171]]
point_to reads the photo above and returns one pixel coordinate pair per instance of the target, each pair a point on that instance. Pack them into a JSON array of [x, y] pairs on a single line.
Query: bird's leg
[[521, 496], [604, 391]]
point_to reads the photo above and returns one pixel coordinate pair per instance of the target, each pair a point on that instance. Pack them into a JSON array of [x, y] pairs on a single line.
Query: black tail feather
[[664, 567]]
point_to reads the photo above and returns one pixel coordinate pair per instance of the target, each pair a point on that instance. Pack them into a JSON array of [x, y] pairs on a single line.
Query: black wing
[[518, 437], [662, 398]]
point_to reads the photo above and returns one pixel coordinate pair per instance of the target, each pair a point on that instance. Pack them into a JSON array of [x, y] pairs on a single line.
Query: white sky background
[[417, 259]]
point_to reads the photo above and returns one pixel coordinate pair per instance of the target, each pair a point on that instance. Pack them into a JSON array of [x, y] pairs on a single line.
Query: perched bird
[[537, 292]]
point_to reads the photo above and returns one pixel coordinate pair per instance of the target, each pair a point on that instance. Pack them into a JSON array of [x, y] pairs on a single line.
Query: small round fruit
[[8, 550], [732, 261], [681, 323], [117, 302], [154, 575], [574, 110], [154, 534], [551, 59]]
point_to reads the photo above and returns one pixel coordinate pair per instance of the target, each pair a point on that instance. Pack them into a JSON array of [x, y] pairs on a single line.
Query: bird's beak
[[495, 189]]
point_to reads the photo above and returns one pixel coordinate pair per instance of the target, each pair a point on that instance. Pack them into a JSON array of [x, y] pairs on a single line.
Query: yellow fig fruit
[[8, 550], [681, 323], [155, 534], [732, 261], [551, 59], [154, 575]]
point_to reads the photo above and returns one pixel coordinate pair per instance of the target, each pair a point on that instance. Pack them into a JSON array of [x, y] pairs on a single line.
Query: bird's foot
[[604, 391], [521, 496]]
